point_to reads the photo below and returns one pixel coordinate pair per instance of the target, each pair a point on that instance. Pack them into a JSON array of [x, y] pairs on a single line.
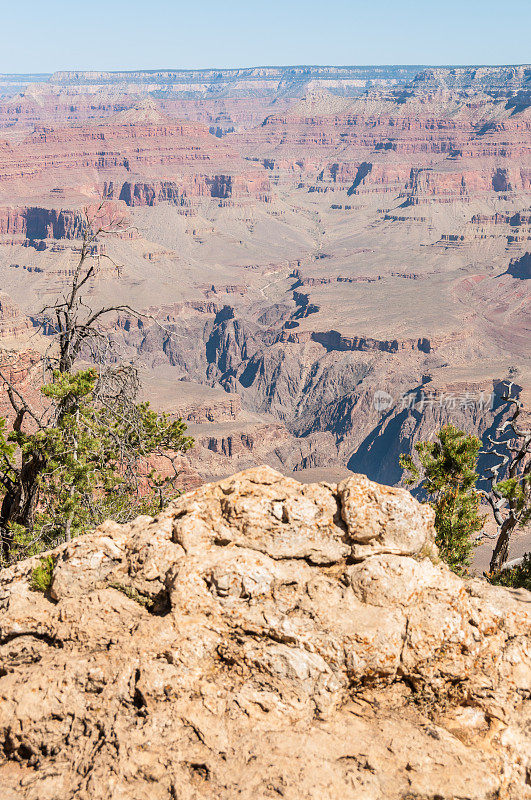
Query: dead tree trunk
[[73, 324], [19, 504], [510, 480], [501, 550]]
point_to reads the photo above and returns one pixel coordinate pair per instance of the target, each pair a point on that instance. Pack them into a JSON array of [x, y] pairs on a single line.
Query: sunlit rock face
[[263, 636]]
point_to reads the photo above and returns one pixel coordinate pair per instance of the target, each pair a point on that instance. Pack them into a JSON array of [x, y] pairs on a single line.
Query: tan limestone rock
[[384, 519], [235, 646]]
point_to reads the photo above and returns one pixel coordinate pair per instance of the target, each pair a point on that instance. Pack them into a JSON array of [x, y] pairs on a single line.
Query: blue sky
[[45, 35]]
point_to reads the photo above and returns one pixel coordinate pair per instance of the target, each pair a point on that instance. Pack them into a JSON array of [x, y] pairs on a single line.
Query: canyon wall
[[131, 160], [298, 240]]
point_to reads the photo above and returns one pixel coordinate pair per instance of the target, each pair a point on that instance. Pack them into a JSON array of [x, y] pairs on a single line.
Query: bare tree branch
[[510, 503]]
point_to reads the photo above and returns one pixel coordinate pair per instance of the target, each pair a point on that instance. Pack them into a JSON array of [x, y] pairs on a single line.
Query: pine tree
[[447, 476], [84, 453], [95, 462]]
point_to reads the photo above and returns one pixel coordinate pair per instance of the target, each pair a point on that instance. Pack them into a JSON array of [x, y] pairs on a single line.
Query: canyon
[[331, 262]]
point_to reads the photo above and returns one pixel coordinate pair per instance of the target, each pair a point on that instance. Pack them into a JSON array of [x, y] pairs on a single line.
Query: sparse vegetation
[[42, 575], [510, 478], [89, 450], [518, 577], [133, 594], [447, 476]]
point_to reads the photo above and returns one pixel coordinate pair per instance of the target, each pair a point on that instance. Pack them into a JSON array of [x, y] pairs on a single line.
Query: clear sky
[[46, 35]]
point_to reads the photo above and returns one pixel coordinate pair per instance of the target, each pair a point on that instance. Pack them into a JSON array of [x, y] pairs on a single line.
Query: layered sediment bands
[[223, 100], [333, 340], [263, 442], [227, 437], [323, 396], [451, 182], [498, 82], [41, 223], [258, 439], [443, 143], [37, 222], [514, 228], [21, 368], [174, 160], [12, 321], [390, 254], [266, 82], [370, 142], [223, 409], [224, 187]]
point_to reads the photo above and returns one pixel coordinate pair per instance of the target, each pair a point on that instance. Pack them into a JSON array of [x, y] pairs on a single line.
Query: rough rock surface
[[261, 638]]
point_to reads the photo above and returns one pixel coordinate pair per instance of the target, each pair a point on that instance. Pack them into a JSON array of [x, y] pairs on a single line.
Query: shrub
[[447, 476], [518, 577], [42, 575]]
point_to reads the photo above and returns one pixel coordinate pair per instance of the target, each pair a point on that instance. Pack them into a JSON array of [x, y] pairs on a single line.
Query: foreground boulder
[[260, 639]]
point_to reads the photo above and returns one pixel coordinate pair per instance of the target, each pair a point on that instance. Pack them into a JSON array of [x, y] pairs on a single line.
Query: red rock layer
[[435, 146], [139, 162], [22, 370], [36, 222], [12, 321]]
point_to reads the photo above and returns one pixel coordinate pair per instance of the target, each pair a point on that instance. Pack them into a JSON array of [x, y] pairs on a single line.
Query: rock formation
[[306, 236], [168, 161], [427, 146], [260, 638], [521, 268], [13, 323]]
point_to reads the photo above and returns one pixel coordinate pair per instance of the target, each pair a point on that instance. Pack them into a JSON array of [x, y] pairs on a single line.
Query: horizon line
[[257, 66]]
